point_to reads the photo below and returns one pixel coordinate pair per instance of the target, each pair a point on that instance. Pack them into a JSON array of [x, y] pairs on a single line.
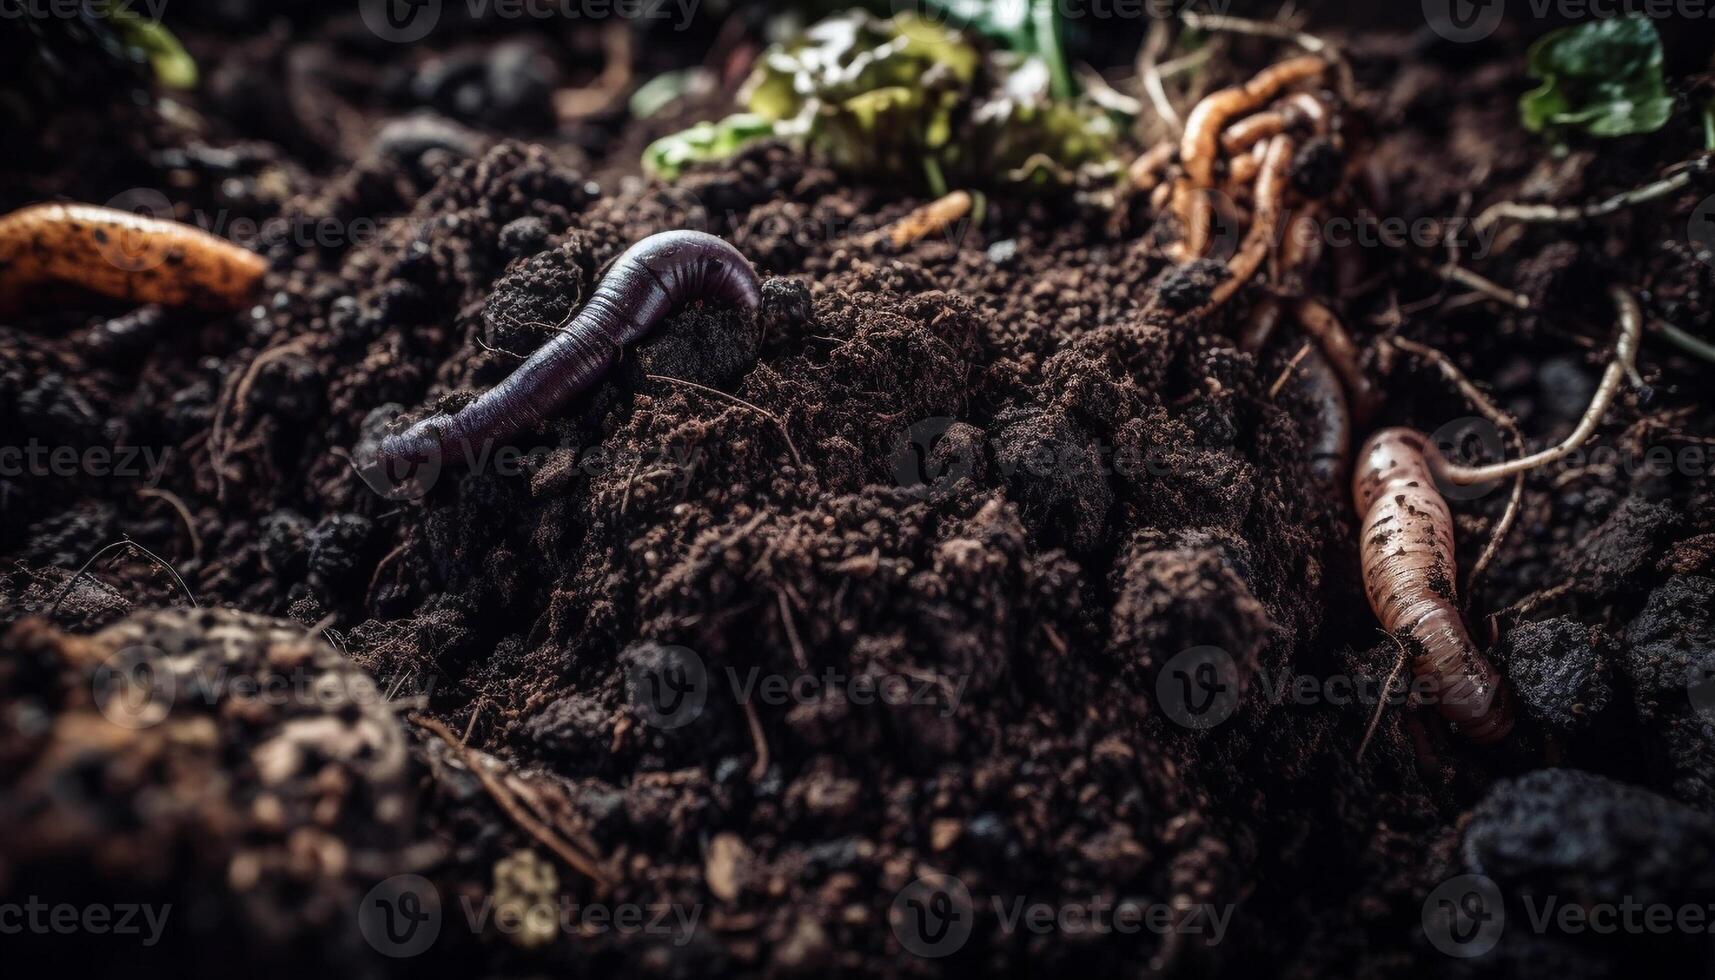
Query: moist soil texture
[[919, 553]]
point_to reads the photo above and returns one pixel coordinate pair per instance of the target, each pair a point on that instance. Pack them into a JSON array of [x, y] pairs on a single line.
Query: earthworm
[[1251, 130], [1407, 546], [654, 278], [1197, 216], [1343, 354], [1314, 379], [1301, 250], [935, 216], [1145, 172], [1330, 424], [1197, 149], [1271, 184], [1243, 170], [122, 255], [1406, 549]]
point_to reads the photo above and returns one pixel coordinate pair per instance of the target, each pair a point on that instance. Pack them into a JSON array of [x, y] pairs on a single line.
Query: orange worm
[[1251, 130], [1306, 107], [122, 255], [1259, 325], [1406, 548], [1197, 149], [933, 217], [1271, 184], [1243, 169], [1314, 379], [1343, 353], [1197, 215], [1330, 424], [1145, 172], [1292, 112]]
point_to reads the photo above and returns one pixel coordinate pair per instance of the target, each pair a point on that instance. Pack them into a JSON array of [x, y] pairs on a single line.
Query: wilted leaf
[[668, 156], [1603, 77]]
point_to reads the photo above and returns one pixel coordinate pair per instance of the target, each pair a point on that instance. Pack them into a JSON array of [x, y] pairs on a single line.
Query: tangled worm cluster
[[1406, 528], [1240, 147]]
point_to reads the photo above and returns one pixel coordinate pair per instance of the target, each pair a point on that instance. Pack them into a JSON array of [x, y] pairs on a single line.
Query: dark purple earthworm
[[654, 278]]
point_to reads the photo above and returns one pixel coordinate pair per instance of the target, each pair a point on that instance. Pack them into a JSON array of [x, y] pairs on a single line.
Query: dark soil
[[975, 465]]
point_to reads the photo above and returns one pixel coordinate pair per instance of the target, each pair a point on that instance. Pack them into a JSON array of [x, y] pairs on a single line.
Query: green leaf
[[905, 99], [172, 64], [1603, 78], [1023, 123], [668, 156]]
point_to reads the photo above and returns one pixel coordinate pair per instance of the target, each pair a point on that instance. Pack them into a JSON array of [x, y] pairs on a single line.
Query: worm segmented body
[[654, 278], [1203, 129], [122, 255], [1406, 547]]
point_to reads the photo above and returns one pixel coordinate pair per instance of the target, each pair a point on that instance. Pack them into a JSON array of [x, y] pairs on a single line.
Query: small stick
[[1381, 701], [759, 768], [1555, 214], [738, 401], [509, 804], [65, 590], [375, 576], [1462, 276], [1693, 345], [1291, 366], [1280, 32], [1624, 363], [172, 500], [1151, 73], [792, 631]]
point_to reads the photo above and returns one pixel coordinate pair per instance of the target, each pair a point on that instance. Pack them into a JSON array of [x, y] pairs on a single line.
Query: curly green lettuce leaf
[[668, 156], [1603, 78]]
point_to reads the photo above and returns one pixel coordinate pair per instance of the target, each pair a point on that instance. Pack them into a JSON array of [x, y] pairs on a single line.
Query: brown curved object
[[122, 255], [1325, 328], [1199, 147], [1406, 547]]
